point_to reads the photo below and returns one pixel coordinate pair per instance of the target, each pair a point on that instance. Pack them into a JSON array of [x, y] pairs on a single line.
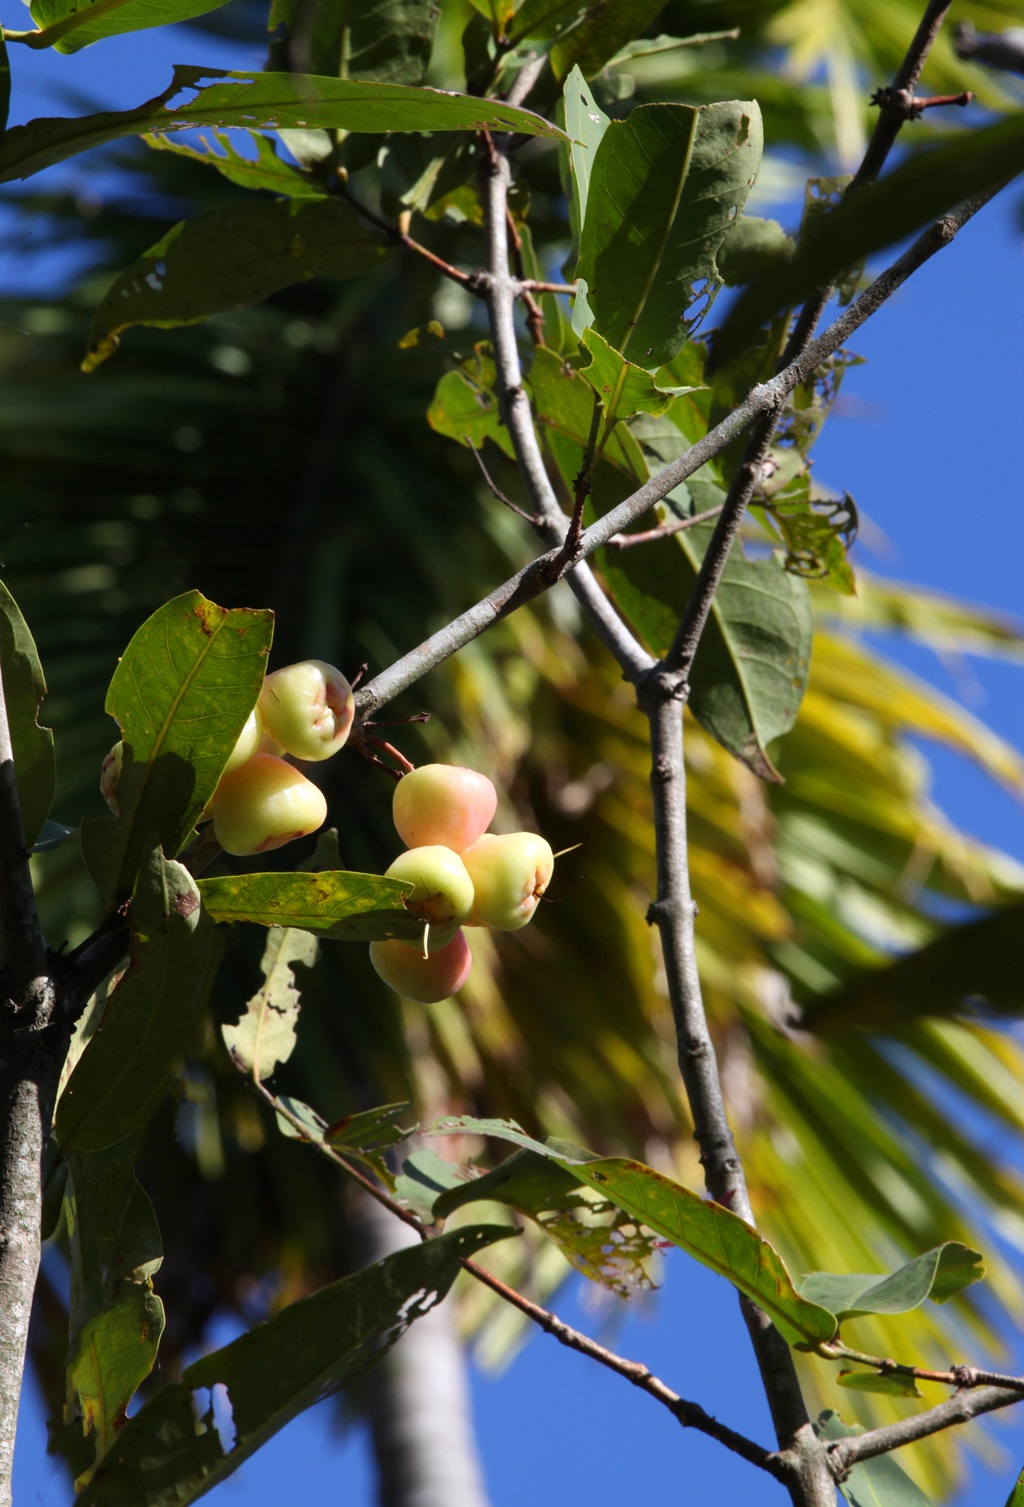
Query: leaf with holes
[[263, 100], [264, 1037], [710, 1233], [665, 186], [181, 694], [265, 171]]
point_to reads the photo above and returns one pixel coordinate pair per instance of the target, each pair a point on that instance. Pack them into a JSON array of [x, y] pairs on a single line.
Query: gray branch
[[33, 1043], [845, 1453]]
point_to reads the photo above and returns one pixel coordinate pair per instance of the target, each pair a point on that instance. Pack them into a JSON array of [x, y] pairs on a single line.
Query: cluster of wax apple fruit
[[262, 801], [461, 875]]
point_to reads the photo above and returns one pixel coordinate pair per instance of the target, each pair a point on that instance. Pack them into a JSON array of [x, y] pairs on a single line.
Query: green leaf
[[181, 694], [114, 1319], [465, 403], [585, 125], [231, 256], [924, 186], [603, 26], [311, 1126], [889, 1385], [424, 1176], [264, 1037], [150, 1018], [386, 41], [1016, 1497], [979, 961], [73, 24], [622, 388], [938, 1274], [754, 658], [195, 1432], [871, 1483], [665, 187], [335, 904], [563, 405], [264, 171], [24, 688], [371, 1129], [710, 1233], [268, 101], [753, 246]]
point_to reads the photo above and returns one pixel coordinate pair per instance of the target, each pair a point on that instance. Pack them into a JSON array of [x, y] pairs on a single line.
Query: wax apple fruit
[[426, 980], [248, 742], [263, 804], [307, 709], [442, 891], [509, 874], [443, 803]]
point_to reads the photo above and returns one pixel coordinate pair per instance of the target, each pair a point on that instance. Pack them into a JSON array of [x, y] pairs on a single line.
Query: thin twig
[[494, 489], [956, 1376], [689, 1414], [663, 531]]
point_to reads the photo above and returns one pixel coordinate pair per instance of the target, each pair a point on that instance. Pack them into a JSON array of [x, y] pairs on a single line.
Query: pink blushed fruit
[[443, 803], [441, 890], [307, 709], [263, 804], [426, 980], [509, 874]]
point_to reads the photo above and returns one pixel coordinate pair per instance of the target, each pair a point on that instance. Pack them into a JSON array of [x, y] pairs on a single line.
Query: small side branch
[[845, 1453], [689, 1414]]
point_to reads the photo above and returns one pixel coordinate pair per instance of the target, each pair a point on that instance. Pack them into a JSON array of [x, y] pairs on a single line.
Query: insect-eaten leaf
[[707, 1231], [333, 904], [665, 186], [264, 1038]]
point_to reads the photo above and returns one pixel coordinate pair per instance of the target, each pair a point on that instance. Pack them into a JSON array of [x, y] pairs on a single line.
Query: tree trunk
[[417, 1398]]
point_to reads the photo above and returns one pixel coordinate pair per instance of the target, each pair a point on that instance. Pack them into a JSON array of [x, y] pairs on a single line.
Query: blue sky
[[927, 439]]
